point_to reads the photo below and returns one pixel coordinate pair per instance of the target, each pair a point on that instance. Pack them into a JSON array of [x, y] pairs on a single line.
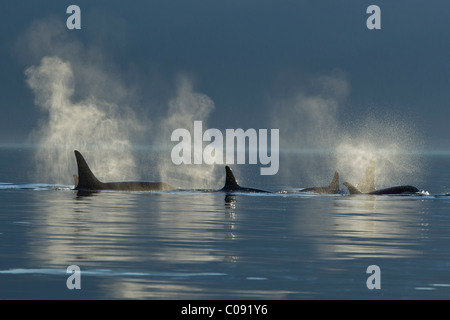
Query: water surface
[[208, 245]]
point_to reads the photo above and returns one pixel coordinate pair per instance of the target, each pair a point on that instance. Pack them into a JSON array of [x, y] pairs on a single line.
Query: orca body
[[367, 185], [332, 188], [231, 184], [87, 181], [392, 190]]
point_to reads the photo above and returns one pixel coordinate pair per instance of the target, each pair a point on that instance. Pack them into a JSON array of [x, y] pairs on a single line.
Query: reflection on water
[[190, 244], [105, 226], [113, 229], [82, 231], [361, 226], [373, 226]]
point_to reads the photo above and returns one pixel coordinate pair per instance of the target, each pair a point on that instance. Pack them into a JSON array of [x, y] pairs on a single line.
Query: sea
[[56, 243]]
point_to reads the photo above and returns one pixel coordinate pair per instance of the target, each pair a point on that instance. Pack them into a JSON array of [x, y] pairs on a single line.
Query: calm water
[[207, 245]]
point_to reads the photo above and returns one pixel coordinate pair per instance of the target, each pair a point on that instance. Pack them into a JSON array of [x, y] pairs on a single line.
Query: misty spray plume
[[88, 108], [307, 117], [186, 107], [83, 106], [388, 143], [316, 143], [87, 125]]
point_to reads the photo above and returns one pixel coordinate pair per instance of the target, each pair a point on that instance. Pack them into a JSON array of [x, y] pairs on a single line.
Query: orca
[[86, 181], [367, 185], [332, 188], [392, 190], [231, 184]]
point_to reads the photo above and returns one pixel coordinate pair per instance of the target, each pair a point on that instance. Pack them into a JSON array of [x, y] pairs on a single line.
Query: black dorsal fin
[[86, 179], [230, 180], [335, 182]]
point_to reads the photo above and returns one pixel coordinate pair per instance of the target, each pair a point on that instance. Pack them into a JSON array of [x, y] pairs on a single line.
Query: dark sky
[[246, 54]]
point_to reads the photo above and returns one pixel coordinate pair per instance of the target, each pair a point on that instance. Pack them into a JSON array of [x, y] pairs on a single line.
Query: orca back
[[396, 190]]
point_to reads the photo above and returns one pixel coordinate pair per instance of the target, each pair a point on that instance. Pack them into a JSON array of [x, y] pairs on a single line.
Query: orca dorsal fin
[[367, 183], [335, 182], [351, 188], [230, 180], [86, 179]]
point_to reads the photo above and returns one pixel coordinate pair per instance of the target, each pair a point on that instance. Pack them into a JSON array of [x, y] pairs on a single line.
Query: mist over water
[[316, 142], [391, 144], [99, 129], [106, 132], [186, 107], [84, 106], [87, 106]]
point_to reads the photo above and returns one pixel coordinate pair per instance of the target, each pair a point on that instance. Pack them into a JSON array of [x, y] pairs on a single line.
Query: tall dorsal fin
[[367, 183], [351, 188], [335, 182], [86, 179], [230, 180]]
